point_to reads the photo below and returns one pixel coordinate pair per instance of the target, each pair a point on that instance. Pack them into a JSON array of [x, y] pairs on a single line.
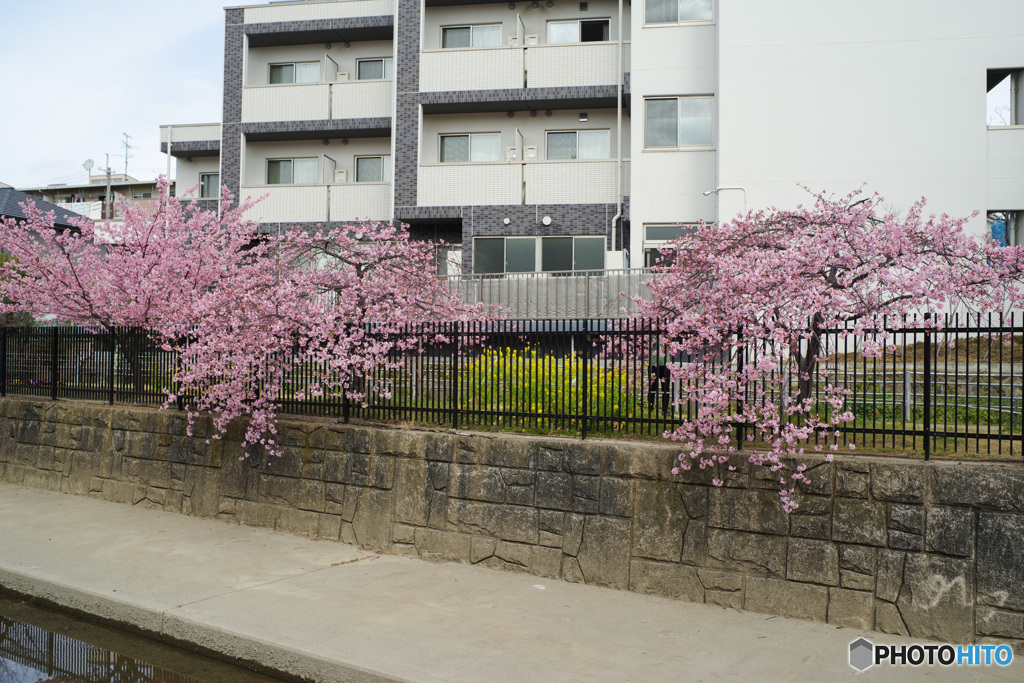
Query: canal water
[[46, 646]]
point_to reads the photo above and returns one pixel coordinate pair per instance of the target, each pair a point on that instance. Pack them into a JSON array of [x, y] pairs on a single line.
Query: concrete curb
[[153, 621]]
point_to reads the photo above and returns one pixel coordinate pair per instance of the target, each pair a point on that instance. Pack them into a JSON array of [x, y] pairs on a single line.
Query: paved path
[[333, 612]]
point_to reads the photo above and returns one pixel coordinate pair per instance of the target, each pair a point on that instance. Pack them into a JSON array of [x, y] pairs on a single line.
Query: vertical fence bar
[[53, 365], [3, 361], [740, 424], [110, 367], [584, 339], [927, 386], [455, 376]]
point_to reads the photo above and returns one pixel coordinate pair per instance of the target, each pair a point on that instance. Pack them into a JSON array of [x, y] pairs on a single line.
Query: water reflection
[[44, 646]]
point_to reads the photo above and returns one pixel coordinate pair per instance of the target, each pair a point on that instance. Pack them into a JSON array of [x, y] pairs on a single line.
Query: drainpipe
[[618, 134]]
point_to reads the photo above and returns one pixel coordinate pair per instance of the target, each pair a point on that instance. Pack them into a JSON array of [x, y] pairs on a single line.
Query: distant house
[[11, 201]]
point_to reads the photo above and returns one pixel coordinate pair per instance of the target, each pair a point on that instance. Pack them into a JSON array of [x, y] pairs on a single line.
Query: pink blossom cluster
[[244, 311], [765, 286]]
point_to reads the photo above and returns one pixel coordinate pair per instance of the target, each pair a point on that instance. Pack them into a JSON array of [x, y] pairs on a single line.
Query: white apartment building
[[550, 135]]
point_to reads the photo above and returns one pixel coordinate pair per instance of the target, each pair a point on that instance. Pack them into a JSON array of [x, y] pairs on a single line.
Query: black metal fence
[[957, 389]]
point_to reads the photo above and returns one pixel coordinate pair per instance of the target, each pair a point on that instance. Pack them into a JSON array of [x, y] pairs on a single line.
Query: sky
[[77, 75]]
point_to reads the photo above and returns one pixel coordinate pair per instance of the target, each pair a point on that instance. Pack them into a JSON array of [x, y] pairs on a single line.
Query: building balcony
[[318, 11], [318, 101], [534, 66], [538, 182], [197, 139], [291, 204]]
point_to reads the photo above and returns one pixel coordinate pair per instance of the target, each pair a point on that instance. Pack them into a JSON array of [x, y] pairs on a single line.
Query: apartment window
[[657, 236], [1003, 227], [582, 31], [678, 121], [142, 195], [486, 35], [291, 171], [578, 144], [523, 254], [1004, 103], [295, 72], [209, 185], [373, 169], [375, 69], [470, 147], [676, 11]]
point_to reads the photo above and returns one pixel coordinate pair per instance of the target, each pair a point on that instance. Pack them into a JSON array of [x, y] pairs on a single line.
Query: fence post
[[53, 365], [740, 401], [927, 387], [3, 361], [584, 338], [455, 376], [110, 367]]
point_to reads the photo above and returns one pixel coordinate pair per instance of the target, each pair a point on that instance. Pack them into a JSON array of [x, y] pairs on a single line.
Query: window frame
[[294, 65], [292, 160], [678, 21], [651, 246], [501, 34], [577, 131], [678, 147], [384, 68], [469, 148], [204, 191], [383, 166], [538, 258], [579, 30]]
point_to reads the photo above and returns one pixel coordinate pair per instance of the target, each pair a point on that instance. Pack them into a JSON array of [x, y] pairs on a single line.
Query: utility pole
[[127, 147], [108, 204]]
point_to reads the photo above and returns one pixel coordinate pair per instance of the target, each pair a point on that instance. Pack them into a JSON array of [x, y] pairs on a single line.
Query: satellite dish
[[89, 163]]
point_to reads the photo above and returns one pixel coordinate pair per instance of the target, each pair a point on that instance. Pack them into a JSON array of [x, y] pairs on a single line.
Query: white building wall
[[187, 173], [667, 186], [329, 9], [845, 92]]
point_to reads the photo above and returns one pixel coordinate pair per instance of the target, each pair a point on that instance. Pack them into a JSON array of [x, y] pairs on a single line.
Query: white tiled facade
[[473, 108]]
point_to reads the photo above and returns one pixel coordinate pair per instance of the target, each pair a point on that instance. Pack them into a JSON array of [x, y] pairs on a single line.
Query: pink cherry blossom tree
[[775, 280]]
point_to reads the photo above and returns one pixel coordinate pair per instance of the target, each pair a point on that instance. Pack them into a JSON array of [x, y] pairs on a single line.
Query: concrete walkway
[[332, 612]]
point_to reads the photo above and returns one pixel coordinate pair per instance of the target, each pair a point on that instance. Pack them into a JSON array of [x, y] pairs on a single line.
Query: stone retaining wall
[[930, 550]]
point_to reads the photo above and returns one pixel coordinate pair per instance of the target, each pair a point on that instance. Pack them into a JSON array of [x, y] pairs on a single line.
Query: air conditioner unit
[[529, 152], [341, 175], [342, 76]]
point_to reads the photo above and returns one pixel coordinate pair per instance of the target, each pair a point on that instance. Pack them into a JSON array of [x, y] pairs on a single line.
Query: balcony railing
[[317, 101], [312, 11], [535, 182], [553, 296], [194, 132], [361, 201], [532, 66], [319, 203]]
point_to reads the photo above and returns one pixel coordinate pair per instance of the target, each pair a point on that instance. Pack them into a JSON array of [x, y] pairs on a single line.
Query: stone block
[[951, 531], [695, 543], [1000, 560], [447, 545], [573, 535], [616, 497], [936, 601], [328, 527], [747, 510], [481, 548], [506, 522], [813, 561], [906, 518], [551, 521], [852, 479], [403, 533], [549, 457], [859, 521], [670, 580], [439, 473], [571, 571], [583, 458], [757, 554], [279, 490], [712, 579], [604, 552], [585, 493], [477, 482], [311, 495], [546, 562], [371, 522], [888, 619], [513, 556], [857, 558], [695, 499], [902, 482], [852, 609], [905, 541], [413, 492], [989, 486], [813, 518], [554, 491], [509, 453], [855, 581], [659, 522], [786, 598], [992, 622], [889, 579], [301, 522], [439, 447]]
